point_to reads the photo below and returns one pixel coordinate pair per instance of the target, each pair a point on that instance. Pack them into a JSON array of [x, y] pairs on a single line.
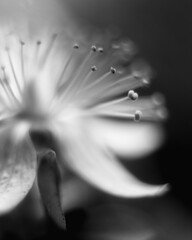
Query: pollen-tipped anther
[[39, 42], [76, 46], [22, 42], [94, 48], [93, 68], [133, 95], [137, 116], [113, 70], [100, 49]]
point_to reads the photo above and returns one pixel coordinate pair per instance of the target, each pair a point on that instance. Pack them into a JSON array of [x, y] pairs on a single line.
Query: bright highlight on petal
[[17, 169], [99, 167], [131, 140]]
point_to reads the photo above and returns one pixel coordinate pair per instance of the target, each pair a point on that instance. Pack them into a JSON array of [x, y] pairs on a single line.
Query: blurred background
[[161, 30]]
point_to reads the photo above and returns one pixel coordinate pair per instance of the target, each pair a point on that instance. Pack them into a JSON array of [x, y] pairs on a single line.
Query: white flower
[[78, 93]]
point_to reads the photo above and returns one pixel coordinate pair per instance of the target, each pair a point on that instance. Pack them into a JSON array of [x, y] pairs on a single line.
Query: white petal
[[128, 139], [97, 166], [17, 169]]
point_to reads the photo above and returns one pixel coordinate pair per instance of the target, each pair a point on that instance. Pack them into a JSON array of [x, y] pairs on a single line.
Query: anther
[[39, 42], [137, 116], [22, 43], [22, 61], [48, 50], [133, 95], [94, 48], [113, 70], [93, 68], [100, 49], [76, 46]]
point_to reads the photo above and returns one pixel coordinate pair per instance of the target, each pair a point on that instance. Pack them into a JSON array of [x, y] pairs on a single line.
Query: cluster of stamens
[[88, 86], [12, 95]]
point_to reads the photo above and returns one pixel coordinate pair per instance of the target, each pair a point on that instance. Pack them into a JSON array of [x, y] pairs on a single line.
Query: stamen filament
[[84, 81], [22, 62], [131, 84], [38, 43], [116, 114], [126, 78], [70, 57], [79, 71], [48, 50], [14, 73], [110, 103], [7, 86], [97, 81]]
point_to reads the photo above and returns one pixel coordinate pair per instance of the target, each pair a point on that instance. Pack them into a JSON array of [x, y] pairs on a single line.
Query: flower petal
[[17, 168], [99, 167], [131, 140]]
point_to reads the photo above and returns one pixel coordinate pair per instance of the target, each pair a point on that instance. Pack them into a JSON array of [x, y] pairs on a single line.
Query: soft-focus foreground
[[69, 108]]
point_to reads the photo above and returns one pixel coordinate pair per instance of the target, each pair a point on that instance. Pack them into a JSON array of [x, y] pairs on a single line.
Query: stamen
[[6, 91], [113, 70], [6, 86], [137, 116], [70, 56], [39, 43], [97, 81], [94, 48], [79, 71], [110, 103], [133, 95], [93, 68], [13, 71], [84, 81], [100, 50], [133, 82], [76, 46], [22, 62], [48, 49]]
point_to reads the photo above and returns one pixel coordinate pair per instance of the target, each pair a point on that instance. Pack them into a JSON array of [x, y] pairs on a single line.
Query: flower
[[77, 92]]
